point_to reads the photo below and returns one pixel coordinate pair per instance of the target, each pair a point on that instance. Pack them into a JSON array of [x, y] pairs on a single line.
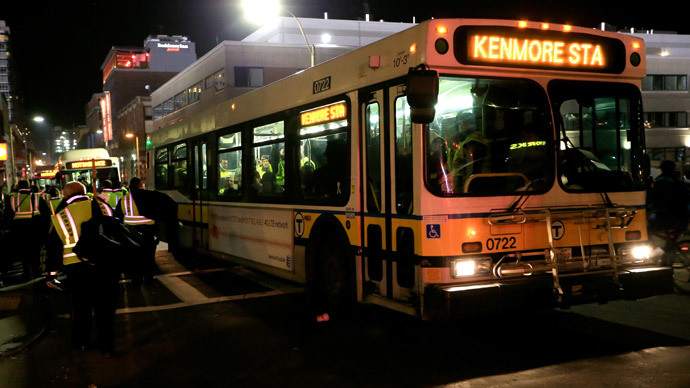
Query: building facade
[[274, 51], [129, 72], [134, 119], [666, 97]]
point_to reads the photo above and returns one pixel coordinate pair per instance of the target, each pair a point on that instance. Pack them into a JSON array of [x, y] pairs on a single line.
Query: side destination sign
[[513, 47], [324, 114], [88, 164]]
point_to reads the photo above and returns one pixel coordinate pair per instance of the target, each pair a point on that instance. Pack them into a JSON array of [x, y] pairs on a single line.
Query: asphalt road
[[229, 327]]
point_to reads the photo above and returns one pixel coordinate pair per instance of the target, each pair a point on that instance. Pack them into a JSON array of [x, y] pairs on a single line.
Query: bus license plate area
[[563, 255]]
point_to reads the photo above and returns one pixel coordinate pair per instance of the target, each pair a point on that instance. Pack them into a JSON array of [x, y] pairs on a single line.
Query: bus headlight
[[470, 266], [641, 252]]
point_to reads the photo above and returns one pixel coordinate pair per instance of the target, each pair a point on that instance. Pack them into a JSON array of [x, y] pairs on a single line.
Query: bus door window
[[269, 156], [374, 200], [373, 157], [179, 168], [161, 169], [230, 165], [199, 167], [403, 157]]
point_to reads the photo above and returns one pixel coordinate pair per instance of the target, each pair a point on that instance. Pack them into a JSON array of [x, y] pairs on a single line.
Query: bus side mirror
[[422, 94]]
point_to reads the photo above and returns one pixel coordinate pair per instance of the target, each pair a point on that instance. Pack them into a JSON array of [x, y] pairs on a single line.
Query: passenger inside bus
[[264, 178]]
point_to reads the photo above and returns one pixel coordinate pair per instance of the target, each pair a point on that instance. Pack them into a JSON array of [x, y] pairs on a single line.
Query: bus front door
[[388, 270]]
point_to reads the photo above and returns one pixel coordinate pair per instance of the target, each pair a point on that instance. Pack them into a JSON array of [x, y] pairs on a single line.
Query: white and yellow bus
[[45, 175], [78, 165], [331, 179]]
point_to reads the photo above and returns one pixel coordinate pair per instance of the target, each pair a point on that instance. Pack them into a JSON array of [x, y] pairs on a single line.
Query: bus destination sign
[[324, 114], [89, 164], [513, 47]]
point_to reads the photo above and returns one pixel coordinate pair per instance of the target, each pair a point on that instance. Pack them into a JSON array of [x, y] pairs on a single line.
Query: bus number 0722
[[500, 243]]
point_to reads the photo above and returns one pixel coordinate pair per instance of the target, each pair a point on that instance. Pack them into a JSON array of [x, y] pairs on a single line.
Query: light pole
[[130, 135], [261, 11]]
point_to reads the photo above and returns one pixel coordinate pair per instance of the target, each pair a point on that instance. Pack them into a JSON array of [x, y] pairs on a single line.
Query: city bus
[[456, 167], [77, 165], [45, 175]]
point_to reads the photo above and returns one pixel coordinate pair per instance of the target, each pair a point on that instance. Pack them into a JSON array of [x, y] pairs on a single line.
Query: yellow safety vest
[[25, 205], [132, 215], [54, 202], [112, 197], [67, 223]]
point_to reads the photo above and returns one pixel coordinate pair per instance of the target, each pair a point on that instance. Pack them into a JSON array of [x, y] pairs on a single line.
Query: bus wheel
[[333, 279]]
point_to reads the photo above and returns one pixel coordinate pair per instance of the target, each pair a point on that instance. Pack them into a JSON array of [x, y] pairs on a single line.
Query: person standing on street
[[30, 214], [92, 288], [136, 208]]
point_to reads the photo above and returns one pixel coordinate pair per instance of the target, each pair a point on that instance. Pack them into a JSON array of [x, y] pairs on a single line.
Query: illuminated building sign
[[82, 164], [106, 118], [324, 114], [513, 47], [3, 151], [172, 46]]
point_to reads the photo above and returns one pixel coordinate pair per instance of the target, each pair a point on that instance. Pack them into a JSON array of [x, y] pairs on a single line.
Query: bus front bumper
[[462, 300]]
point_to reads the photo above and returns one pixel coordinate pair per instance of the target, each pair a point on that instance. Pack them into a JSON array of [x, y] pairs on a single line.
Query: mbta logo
[[557, 230]]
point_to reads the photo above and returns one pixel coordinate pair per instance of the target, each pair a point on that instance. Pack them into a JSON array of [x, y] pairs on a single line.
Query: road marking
[[182, 290], [196, 302]]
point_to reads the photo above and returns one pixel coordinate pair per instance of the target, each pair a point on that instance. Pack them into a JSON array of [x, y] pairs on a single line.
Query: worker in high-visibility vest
[[129, 209], [93, 289], [54, 198], [109, 195], [30, 220]]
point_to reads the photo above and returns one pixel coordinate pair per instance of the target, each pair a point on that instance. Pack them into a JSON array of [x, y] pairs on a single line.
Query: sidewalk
[[24, 312]]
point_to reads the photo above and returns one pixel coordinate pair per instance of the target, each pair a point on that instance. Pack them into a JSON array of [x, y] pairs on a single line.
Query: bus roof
[[391, 58], [84, 154]]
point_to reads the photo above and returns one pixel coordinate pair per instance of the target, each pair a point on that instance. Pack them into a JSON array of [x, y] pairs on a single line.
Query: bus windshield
[[600, 131], [489, 137], [84, 176]]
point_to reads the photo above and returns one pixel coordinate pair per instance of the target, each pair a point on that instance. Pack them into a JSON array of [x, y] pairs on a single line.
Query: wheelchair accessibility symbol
[[433, 231]]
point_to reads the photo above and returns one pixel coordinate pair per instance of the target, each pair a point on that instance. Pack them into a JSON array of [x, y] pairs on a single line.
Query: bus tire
[[333, 277]]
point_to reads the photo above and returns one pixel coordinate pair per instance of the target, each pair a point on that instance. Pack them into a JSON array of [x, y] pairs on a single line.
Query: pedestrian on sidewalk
[[92, 288]]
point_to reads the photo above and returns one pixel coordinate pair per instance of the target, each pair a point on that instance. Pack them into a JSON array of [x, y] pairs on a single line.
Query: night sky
[[60, 46]]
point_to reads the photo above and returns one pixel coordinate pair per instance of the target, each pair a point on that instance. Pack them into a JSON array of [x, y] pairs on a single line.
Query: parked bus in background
[[455, 167], [45, 176], [77, 165]]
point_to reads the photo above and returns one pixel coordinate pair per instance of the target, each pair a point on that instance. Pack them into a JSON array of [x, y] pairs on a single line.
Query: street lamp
[[130, 135], [262, 11]]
